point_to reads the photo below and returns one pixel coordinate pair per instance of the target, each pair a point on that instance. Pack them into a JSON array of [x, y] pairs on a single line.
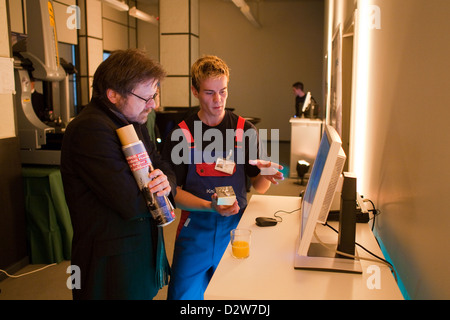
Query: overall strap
[[187, 133], [239, 132]]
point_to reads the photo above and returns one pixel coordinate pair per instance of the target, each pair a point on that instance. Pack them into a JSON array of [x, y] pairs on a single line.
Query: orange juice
[[240, 249]]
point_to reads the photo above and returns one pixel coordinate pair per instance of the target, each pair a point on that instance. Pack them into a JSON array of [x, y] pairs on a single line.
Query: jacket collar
[[113, 113], [110, 109]]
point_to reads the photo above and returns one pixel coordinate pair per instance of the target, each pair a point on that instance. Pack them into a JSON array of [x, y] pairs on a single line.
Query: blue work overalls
[[202, 237]]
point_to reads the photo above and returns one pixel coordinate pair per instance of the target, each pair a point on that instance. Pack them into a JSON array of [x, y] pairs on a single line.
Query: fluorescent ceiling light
[[142, 16], [239, 3], [246, 12], [245, 9], [116, 4]]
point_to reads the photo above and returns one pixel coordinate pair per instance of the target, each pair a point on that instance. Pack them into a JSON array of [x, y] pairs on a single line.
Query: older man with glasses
[[116, 244]]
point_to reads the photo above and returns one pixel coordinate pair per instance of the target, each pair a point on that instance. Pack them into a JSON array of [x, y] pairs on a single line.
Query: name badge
[[224, 165]]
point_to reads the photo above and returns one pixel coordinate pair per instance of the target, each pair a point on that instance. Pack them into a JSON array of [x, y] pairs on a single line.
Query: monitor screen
[[307, 102], [321, 186], [313, 183]]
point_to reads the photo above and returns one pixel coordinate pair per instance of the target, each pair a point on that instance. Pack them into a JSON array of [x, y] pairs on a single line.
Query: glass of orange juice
[[240, 243]]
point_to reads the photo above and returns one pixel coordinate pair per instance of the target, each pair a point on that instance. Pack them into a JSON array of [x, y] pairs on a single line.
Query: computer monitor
[[316, 203], [306, 102]]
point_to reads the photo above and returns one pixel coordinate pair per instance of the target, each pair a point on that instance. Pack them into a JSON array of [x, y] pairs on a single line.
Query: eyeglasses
[[146, 100]]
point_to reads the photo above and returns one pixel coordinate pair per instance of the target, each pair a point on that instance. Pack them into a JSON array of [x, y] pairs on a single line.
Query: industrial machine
[[36, 57]]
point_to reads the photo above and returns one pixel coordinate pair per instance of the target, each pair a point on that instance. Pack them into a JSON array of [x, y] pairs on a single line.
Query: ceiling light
[[245, 9], [239, 3], [246, 12], [116, 4], [143, 16]]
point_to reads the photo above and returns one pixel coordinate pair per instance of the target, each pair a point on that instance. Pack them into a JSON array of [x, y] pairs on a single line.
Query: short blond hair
[[206, 67]]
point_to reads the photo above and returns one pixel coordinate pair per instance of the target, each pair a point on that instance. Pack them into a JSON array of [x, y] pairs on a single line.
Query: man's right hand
[[225, 211]]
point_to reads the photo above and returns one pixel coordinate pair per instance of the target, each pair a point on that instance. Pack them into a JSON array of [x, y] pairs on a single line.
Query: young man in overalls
[[204, 229]]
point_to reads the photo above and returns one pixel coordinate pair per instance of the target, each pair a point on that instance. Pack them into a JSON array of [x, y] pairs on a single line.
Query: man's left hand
[[269, 170]]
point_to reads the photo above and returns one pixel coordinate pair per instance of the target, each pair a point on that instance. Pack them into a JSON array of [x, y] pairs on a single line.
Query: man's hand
[[225, 211], [159, 183]]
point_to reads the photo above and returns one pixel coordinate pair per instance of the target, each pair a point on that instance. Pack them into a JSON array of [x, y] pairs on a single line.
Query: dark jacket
[[115, 241]]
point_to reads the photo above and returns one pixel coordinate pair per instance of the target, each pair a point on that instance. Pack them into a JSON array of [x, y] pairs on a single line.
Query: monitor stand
[[321, 258]]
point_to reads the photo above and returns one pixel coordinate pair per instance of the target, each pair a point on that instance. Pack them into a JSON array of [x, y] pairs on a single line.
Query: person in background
[[300, 97], [204, 228], [151, 120], [116, 245]]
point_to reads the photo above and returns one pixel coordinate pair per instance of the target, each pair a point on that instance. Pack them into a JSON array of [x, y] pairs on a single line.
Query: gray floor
[[50, 283]]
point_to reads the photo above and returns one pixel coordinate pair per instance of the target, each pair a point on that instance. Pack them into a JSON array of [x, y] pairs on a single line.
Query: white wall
[[147, 33], [404, 150], [266, 62], [409, 113]]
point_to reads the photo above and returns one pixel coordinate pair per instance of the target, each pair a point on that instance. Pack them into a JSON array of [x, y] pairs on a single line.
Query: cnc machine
[[37, 58]]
